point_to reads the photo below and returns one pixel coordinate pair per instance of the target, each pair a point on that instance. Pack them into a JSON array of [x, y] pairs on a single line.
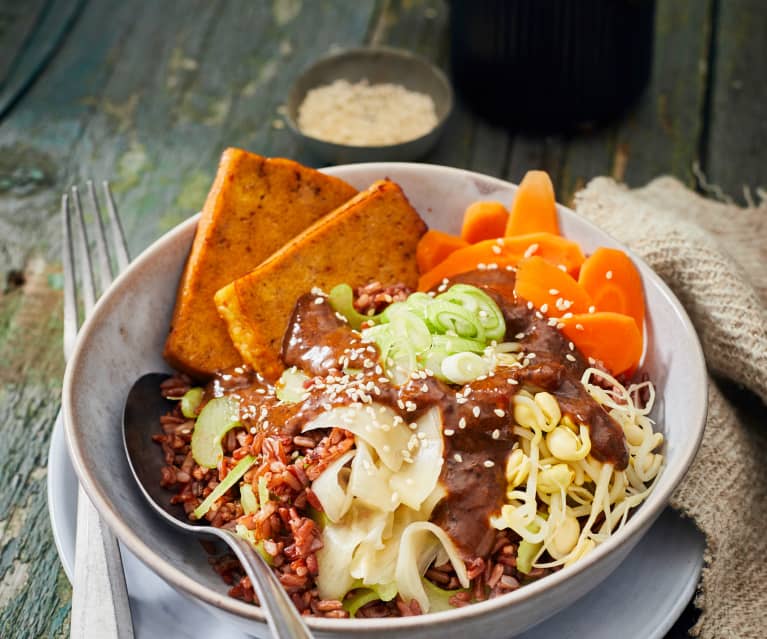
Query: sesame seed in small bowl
[[369, 104]]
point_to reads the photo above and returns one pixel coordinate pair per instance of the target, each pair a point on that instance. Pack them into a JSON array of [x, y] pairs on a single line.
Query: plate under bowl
[[124, 337]]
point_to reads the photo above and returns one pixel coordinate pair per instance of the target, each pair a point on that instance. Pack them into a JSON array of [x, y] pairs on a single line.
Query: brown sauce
[[477, 418]]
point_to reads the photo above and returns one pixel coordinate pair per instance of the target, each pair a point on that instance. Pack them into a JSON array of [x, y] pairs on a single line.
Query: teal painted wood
[[735, 149], [147, 94]]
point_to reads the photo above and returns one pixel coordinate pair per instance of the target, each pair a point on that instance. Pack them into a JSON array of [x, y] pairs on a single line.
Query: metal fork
[[100, 599]]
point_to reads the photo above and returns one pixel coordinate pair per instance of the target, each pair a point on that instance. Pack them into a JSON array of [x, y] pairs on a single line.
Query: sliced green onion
[[258, 546], [290, 387], [248, 499], [361, 597], [215, 420], [230, 480], [462, 368], [190, 402], [341, 299], [448, 317], [439, 598], [526, 555], [479, 304], [263, 491]]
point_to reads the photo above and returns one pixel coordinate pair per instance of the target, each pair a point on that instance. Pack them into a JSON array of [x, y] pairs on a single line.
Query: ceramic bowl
[[377, 65], [123, 339]]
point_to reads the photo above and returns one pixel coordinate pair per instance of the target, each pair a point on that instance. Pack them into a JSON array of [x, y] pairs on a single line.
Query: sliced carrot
[[434, 246], [503, 252], [534, 208], [484, 221], [614, 283], [612, 338], [550, 289]]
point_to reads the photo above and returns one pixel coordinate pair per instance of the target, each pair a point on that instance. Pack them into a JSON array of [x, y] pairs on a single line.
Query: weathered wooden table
[[148, 93]]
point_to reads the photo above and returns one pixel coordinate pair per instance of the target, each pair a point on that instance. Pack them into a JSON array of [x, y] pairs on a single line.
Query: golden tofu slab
[[371, 237], [254, 207]]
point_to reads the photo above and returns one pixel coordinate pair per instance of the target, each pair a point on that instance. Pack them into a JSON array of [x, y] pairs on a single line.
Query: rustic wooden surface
[[148, 93]]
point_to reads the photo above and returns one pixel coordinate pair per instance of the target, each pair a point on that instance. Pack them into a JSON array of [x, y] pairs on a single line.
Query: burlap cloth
[[714, 257]]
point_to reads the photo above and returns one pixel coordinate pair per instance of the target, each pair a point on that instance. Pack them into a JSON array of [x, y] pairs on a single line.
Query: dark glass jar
[[550, 64]]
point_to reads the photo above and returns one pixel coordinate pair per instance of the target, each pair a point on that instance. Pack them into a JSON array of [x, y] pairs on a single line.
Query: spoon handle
[[281, 615]]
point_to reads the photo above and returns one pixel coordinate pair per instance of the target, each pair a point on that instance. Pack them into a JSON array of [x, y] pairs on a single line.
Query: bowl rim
[[291, 118], [640, 520]]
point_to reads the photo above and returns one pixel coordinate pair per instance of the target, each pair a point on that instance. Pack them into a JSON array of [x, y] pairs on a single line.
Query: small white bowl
[[124, 338], [376, 65]]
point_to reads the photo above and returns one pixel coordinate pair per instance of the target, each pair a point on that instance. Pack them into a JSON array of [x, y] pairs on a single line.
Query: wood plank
[[31, 32], [662, 132], [736, 151], [150, 107], [421, 26]]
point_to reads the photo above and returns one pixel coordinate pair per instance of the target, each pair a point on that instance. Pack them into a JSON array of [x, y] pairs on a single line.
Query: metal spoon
[[143, 409]]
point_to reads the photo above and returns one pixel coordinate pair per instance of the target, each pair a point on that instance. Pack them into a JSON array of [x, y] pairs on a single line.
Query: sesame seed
[[519, 336], [531, 356], [488, 463], [570, 357], [462, 423], [253, 430], [496, 434], [482, 266], [449, 432], [500, 412], [424, 388], [460, 400], [413, 426], [562, 268], [579, 327], [592, 309], [458, 457], [496, 249], [319, 300], [571, 346], [530, 306], [609, 275], [553, 291], [567, 316], [475, 411], [544, 308], [531, 250]]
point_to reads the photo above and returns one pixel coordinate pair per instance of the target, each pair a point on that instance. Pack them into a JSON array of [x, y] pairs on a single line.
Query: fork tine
[[105, 268], [84, 257], [70, 304], [121, 246]]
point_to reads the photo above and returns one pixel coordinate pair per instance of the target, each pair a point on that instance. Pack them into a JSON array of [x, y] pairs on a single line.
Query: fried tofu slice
[[371, 237], [254, 207]]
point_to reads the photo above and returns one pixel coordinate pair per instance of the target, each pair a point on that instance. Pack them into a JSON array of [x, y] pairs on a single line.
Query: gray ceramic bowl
[[124, 337], [377, 65]]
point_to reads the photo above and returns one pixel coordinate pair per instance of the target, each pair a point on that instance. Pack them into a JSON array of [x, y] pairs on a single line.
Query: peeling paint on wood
[[151, 103]]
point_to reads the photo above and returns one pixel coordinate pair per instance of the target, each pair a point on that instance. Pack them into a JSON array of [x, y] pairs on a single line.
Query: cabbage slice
[[377, 424], [335, 557], [332, 487], [415, 481], [369, 481], [421, 544]]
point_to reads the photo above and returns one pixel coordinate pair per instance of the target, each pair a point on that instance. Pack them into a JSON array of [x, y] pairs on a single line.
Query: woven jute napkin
[[714, 257]]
